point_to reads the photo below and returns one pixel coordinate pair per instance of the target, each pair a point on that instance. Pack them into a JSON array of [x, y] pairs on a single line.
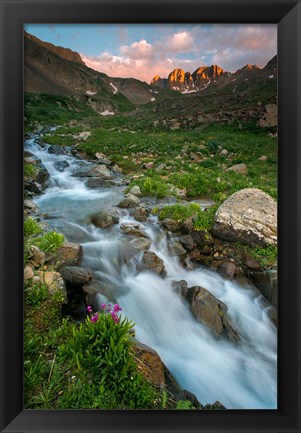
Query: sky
[[144, 50]]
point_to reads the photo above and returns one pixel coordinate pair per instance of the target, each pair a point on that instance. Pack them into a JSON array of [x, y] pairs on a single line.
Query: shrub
[[151, 186], [31, 227], [29, 170], [179, 212]]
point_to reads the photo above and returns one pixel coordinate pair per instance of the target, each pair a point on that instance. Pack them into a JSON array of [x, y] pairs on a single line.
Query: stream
[[240, 376]]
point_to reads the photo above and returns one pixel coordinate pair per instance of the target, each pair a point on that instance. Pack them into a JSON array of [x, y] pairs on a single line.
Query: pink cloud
[[180, 42], [138, 50]]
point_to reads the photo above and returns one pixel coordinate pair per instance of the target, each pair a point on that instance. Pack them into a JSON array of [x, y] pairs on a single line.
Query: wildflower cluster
[[112, 310]]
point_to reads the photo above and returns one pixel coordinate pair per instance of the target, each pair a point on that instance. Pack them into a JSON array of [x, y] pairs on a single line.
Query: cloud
[[229, 46], [180, 42], [138, 50]]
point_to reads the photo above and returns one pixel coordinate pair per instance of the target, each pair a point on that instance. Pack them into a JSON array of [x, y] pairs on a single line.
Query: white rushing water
[[242, 376]]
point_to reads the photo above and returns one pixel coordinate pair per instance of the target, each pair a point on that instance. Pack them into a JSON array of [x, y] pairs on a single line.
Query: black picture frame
[[287, 14]]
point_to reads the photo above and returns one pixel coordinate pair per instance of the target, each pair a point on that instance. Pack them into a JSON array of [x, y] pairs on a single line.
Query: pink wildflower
[[89, 309]]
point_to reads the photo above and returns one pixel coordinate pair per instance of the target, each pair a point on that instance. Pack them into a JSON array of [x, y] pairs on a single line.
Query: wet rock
[[187, 242], [176, 249], [212, 312], [141, 243], [97, 182], [267, 283], [70, 254], [239, 168], [55, 149], [100, 171], [135, 190], [181, 287], [32, 187], [140, 214], [151, 262], [170, 225], [129, 201], [132, 229], [75, 275], [28, 273], [227, 269], [248, 216], [201, 238], [37, 257], [105, 218], [185, 395], [61, 165]]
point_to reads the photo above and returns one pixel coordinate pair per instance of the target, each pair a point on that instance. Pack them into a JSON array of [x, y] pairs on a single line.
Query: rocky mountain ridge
[[199, 80]]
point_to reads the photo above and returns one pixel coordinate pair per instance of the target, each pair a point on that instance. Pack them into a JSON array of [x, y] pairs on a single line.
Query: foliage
[[266, 256], [179, 212], [29, 170], [51, 241], [151, 186], [31, 227]]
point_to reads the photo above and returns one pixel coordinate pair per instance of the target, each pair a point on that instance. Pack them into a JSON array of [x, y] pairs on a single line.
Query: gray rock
[[61, 165], [98, 182], [56, 149], [140, 214], [151, 262], [105, 218], [135, 190], [70, 254], [129, 201], [141, 243], [187, 242], [170, 225], [227, 269], [181, 287], [267, 283], [101, 171], [212, 312], [248, 216], [176, 249], [239, 168], [76, 275], [132, 229]]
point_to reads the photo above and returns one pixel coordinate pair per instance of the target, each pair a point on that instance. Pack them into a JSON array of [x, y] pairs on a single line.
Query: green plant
[[36, 294], [185, 404], [179, 212], [31, 227], [51, 241], [29, 170]]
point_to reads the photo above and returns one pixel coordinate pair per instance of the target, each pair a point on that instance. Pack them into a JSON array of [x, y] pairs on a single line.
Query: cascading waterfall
[[242, 376]]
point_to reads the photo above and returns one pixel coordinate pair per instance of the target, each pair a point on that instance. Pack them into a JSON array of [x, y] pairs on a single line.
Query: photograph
[[150, 216]]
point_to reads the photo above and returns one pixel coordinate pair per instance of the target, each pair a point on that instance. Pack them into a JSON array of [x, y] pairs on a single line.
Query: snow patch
[[153, 99], [206, 85], [115, 90], [90, 93], [107, 113], [271, 76], [189, 91]]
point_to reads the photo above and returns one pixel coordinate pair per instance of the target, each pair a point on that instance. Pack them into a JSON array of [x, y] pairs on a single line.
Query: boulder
[[75, 275], [56, 149], [105, 218], [29, 204], [187, 242], [129, 201], [176, 249], [101, 171], [170, 225], [70, 254], [140, 214], [239, 168], [250, 262], [187, 226], [37, 257], [214, 406], [54, 282], [141, 243], [28, 273], [98, 182], [181, 287], [149, 363], [132, 229], [248, 216], [135, 190], [151, 262], [270, 116], [212, 312], [267, 283], [61, 165], [227, 269]]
